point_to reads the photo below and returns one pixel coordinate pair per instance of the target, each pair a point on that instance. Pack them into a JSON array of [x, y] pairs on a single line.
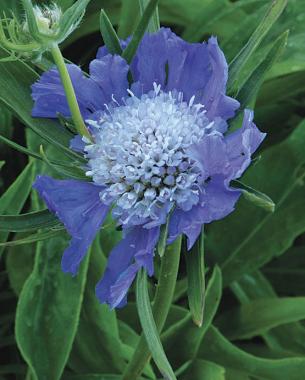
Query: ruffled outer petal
[[136, 250], [241, 144], [110, 73], [108, 79], [214, 98], [50, 99], [216, 202], [195, 69], [221, 159], [77, 204]]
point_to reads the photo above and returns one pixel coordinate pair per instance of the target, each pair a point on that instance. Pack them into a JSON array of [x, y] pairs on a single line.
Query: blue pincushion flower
[[160, 149]]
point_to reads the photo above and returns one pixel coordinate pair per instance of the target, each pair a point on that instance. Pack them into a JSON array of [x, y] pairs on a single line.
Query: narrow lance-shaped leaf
[[73, 16], [196, 279], [64, 168], [14, 198], [256, 197], [20, 148], [194, 335], [31, 19], [150, 329], [27, 222], [129, 15], [16, 79], [218, 349], [249, 90], [154, 23], [132, 47], [39, 236], [109, 35], [242, 58], [239, 322], [163, 238]]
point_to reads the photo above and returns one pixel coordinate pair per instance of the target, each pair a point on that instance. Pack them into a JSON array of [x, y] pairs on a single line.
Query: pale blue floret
[[139, 155]]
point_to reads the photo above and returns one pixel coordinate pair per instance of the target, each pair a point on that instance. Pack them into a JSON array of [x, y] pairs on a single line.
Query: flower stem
[[70, 93], [161, 305]]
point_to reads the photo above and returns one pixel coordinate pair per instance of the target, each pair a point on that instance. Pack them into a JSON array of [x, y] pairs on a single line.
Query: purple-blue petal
[[215, 100], [198, 70], [110, 73], [108, 80], [184, 223], [136, 250], [210, 154], [217, 200], [50, 99], [77, 205], [77, 144], [242, 143]]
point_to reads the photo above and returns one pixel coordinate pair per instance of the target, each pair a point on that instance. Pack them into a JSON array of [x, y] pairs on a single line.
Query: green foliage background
[[52, 326]]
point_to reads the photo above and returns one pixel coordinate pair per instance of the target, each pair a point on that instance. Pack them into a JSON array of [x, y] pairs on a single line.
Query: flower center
[[140, 156]]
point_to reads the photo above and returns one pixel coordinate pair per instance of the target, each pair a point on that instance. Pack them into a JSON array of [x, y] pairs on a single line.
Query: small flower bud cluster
[[47, 19], [43, 28]]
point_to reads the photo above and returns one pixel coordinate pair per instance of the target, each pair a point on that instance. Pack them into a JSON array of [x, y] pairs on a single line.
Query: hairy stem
[[70, 93], [162, 302]]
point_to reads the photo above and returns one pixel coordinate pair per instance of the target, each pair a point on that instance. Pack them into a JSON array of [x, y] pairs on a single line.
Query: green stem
[[162, 303], [70, 93]]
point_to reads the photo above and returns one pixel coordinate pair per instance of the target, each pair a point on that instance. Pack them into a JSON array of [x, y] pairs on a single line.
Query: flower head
[[140, 155], [47, 19], [44, 26], [160, 152]]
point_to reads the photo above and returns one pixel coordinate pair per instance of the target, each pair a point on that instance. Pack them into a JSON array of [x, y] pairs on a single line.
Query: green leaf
[[242, 58], [286, 273], [218, 349], [258, 237], [109, 35], [150, 329], [132, 47], [97, 347], [31, 19], [92, 377], [39, 236], [2, 163], [249, 89], [14, 198], [6, 122], [154, 23], [48, 312], [196, 279], [203, 369], [28, 222], [161, 246], [16, 79], [19, 265], [73, 16], [259, 316], [193, 336], [205, 13], [289, 337], [8, 200], [293, 58], [20, 148], [129, 16], [255, 196]]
